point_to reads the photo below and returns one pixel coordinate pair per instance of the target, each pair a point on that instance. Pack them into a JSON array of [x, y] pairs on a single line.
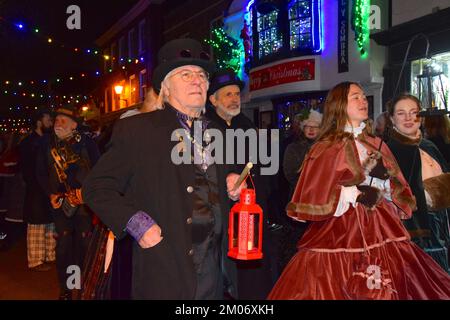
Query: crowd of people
[[367, 216]]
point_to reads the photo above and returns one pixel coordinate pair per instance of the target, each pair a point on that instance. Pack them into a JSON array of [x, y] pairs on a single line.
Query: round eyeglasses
[[188, 75]]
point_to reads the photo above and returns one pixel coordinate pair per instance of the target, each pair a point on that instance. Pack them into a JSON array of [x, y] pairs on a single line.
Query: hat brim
[[163, 69], [77, 120], [239, 83]]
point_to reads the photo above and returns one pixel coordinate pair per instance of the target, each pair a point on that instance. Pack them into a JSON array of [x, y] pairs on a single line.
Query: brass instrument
[[63, 157]]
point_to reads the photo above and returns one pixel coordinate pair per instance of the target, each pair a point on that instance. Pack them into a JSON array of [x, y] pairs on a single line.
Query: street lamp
[[119, 89]]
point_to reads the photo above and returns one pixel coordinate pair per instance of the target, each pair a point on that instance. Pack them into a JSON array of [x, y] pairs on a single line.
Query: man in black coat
[[255, 277], [36, 212], [176, 212]]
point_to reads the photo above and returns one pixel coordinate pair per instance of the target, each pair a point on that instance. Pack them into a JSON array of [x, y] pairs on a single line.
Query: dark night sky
[[25, 56]]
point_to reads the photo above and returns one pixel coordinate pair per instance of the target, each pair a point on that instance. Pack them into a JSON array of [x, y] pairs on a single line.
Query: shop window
[[300, 24], [288, 108], [286, 27], [269, 35], [440, 83]]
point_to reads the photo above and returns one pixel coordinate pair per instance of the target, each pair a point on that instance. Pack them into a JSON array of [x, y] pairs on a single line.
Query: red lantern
[[245, 228]]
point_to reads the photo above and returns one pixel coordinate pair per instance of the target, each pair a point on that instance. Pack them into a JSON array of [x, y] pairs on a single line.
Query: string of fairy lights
[[125, 64], [228, 52], [361, 10], [46, 38], [15, 125], [42, 91]]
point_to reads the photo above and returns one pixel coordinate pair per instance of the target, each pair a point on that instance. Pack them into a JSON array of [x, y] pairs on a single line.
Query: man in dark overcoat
[[255, 277], [36, 212], [176, 212]]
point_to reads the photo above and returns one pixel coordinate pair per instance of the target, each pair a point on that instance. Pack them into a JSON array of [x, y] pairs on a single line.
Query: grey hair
[[162, 97]]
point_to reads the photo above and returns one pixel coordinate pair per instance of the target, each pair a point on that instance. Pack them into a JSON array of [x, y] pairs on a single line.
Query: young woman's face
[[357, 106], [406, 118]]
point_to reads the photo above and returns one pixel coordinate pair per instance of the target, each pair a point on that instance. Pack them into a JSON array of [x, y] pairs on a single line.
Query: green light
[[36, 30], [360, 23], [227, 50]]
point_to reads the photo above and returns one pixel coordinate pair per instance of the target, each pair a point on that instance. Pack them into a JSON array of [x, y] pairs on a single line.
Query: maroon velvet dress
[[363, 254]]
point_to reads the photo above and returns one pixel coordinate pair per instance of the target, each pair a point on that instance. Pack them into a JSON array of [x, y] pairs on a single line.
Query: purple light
[[97, 73], [142, 59]]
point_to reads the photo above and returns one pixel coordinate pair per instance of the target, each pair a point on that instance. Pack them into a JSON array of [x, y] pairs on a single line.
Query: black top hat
[[224, 78], [68, 110], [177, 53]]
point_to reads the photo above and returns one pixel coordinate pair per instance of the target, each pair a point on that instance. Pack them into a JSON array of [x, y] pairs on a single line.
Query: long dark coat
[[36, 204], [427, 228], [137, 173], [255, 277]]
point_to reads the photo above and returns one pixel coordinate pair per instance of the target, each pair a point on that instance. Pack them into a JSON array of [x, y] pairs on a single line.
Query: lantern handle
[[243, 176], [407, 54]]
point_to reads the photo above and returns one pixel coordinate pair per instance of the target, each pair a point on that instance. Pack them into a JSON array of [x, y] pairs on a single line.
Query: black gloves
[[369, 196]]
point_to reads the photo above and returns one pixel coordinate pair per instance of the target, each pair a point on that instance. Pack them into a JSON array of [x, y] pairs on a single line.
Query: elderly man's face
[[227, 101], [187, 87], [64, 126]]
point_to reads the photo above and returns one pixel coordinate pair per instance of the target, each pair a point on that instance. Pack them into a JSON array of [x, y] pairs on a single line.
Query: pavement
[[17, 282]]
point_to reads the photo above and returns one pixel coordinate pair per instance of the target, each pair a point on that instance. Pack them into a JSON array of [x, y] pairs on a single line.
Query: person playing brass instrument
[[64, 160]]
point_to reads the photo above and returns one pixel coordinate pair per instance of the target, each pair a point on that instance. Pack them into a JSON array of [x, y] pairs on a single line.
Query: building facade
[[418, 38], [130, 46], [300, 49]]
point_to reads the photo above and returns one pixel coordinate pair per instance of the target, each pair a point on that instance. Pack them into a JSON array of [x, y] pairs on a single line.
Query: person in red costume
[[353, 191]]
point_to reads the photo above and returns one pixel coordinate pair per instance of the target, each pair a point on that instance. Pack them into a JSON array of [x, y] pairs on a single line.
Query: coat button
[[189, 220], [190, 189], [191, 252]]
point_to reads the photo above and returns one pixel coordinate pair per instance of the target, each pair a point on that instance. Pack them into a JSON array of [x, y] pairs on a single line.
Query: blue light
[[250, 3], [97, 73], [20, 26], [319, 26], [317, 6]]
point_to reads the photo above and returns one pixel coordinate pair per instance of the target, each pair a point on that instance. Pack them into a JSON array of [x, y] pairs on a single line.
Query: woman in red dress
[[353, 191]]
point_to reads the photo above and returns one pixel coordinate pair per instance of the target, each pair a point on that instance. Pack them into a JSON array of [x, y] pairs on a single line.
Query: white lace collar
[[355, 131]]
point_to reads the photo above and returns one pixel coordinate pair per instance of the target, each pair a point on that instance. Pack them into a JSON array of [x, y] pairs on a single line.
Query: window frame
[[283, 25]]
